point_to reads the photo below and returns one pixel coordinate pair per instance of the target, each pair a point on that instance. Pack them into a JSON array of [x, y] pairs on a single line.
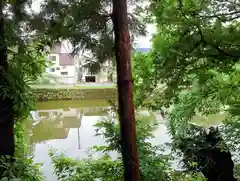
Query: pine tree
[[125, 92]]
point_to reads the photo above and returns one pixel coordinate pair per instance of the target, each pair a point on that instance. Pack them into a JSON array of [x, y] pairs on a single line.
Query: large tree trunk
[[6, 107], [125, 91]]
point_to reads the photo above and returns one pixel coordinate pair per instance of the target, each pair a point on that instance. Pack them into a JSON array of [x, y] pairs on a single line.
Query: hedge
[[74, 94]]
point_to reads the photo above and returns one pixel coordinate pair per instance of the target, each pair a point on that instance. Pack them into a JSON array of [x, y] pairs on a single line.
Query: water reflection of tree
[[55, 126]]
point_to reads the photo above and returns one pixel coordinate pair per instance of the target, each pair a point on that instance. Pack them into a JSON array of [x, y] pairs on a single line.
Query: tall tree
[[6, 105], [19, 65], [125, 91], [93, 25]]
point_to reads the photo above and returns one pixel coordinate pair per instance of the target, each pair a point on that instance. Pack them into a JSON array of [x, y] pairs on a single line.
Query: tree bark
[[125, 91], [6, 107]]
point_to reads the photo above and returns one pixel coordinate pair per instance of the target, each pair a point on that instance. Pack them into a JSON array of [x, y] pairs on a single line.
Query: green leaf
[[4, 179], [15, 179]]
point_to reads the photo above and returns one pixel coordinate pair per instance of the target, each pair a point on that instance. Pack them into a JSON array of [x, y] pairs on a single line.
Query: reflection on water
[[76, 144], [56, 123], [68, 126]]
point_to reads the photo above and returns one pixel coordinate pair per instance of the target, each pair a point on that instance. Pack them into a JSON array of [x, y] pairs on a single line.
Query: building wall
[[102, 77], [71, 70], [62, 70], [74, 72], [67, 80], [65, 74]]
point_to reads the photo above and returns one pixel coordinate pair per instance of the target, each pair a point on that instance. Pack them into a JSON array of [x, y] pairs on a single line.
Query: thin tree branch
[[215, 46], [220, 14]]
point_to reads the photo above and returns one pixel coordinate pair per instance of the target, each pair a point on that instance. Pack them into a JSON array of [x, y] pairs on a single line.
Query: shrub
[[23, 168], [154, 166], [89, 169]]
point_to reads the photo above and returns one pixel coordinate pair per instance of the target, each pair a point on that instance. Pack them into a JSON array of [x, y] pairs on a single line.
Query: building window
[[64, 73], [52, 70], [58, 68], [53, 58]]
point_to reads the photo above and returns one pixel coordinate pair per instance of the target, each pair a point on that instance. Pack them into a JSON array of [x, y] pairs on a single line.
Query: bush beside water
[[23, 168], [154, 165]]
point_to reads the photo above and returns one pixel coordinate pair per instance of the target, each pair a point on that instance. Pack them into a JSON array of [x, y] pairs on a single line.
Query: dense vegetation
[[193, 69], [75, 93], [22, 71], [154, 165], [23, 168], [22, 61]]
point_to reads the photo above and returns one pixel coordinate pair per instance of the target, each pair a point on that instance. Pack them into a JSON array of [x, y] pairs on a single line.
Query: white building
[[72, 69], [63, 65]]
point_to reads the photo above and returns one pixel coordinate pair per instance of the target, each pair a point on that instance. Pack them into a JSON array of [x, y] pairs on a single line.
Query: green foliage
[[89, 169], [92, 29], [23, 168], [24, 69], [191, 176], [218, 92], [145, 78], [196, 49], [25, 56], [195, 145], [154, 165], [237, 171], [21, 66], [48, 79], [74, 94]]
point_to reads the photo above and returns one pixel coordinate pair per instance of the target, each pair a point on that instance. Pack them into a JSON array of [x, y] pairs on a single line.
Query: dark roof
[[65, 59], [143, 50]]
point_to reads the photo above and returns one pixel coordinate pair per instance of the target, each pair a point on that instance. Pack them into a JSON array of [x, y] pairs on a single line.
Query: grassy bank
[[53, 94]]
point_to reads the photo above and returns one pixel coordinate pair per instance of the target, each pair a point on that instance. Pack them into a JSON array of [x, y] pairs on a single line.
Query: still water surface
[[68, 126]]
